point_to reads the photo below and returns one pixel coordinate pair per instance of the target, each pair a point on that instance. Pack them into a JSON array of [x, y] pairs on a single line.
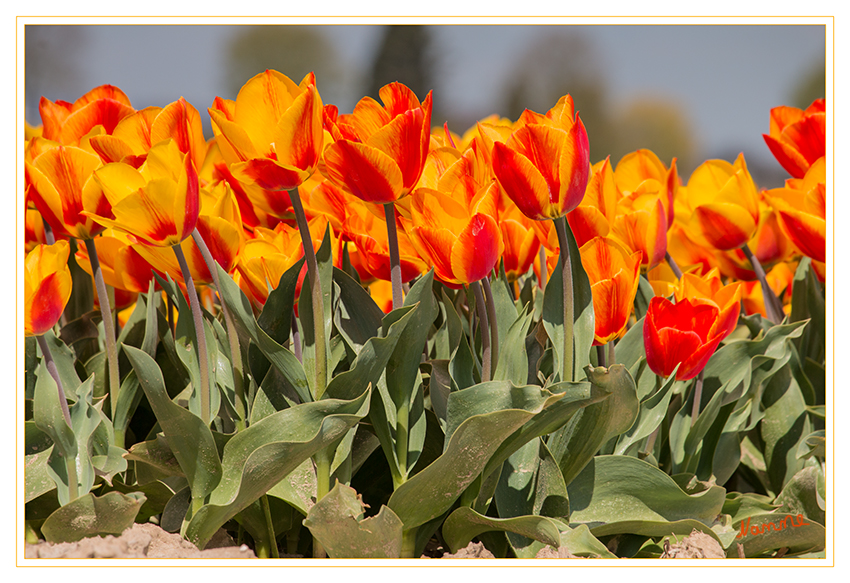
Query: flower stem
[[108, 326], [611, 356], [408, 543], [395, 262], [321, 382], [267, 512], [697, 397], [484, 330], [567, 275], [494, 327], [197, 317], [676, 271], [601, 358], [296, 338], [232, 335], [54, 372], [544, 272], [772, 306]]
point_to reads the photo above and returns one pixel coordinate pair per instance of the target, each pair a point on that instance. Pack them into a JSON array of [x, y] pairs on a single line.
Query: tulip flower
[[709, 289], [685, 334], [379, 151], [272, 134], [122, 266], [67, 123], [801, 209], [640, 175], [47, 287], [545, 165], [264, 260], [614, 273], [60, 183], [645, 231], [159, 203], [797, 137], [780, 280], [724, 202]]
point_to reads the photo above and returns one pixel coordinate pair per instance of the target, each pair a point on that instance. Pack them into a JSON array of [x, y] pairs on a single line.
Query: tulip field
[[370, 335]]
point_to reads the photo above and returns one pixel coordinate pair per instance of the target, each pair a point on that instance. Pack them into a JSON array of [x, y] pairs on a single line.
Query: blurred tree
[[50, 67], [658, 125], [810, 87], [404, 56], [291, 50]]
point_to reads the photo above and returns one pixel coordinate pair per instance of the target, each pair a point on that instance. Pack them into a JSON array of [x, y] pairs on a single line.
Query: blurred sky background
[[690, 91]]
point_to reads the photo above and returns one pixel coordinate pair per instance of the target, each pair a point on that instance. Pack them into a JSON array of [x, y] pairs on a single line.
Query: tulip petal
[[724, 226], [573, 168], [261, 102], [435, 247], [364, 171], [787, 156], [401, 141], [268, 174], [48, 303], [523, 183], [807, 232], [477, 249], [101, 112], [298, 137]]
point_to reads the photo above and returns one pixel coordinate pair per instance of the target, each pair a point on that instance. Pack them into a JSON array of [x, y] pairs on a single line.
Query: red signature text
[[787, 522]]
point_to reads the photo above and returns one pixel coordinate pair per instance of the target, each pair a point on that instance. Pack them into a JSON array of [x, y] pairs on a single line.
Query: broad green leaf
[[37, 480], [740, 506], [513, 359], [576, 443], [784, 427], [280, 357], [630, 348], [188, 437], [553, 312], [813, 446], [276, 317], [253, 519], [464, 524], [580, 542], [64, 359], [89, 515], [157, 454], [324, 258], [479, 422], [157, 494], [259, 457], [337, 521], [298, 488], [622, 494], [652, 412], [800, 495], [357, 316], [644, 294]]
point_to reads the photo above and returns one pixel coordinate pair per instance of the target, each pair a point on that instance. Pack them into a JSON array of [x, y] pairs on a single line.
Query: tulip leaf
[[630, 348], [282, 359], [652, 412], [553, 311], [298, 488], [337, 521], [89, 515], [531, 484], [37, 480], [276, 317], [262, 455], [801, 495], [464, 524], [190, 440], [480, 420], [63, 357], [784, 428], [622, 494], [157, 454], [580, 542], [358, 317], [324, 260], [513, 358], [575, 444]]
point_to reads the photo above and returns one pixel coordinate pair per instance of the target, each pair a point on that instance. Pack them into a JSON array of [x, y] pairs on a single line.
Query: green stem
[[408, 543], [772, 305], [401, 443], [601, 358], [494, 325], [395, 262], [544, 270], [197, 318], [484, 330], [108, 326], [567, 275], [697, 398], [611, 356], [321, 381], [232, 335], [267, 512], [322, 459]]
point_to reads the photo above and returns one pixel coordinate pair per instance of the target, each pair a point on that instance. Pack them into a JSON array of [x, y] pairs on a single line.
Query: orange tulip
[[266, 258], [780, 280], [60, 183], [47, 287], [379, 151], [159, 203], [724, 202], [709, 289], [34, 234], [545, 165], [645, 231], [685, 333], [640, 175], [461, 243], [67, 123], [797, 137], [613, 272], [801, 208], [272, 134], [120, 263]]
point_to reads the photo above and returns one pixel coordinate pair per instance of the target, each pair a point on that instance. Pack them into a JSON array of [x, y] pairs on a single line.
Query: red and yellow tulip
[[47, 287], [797, 137], [99, 110], [378, 151], [801, 209]]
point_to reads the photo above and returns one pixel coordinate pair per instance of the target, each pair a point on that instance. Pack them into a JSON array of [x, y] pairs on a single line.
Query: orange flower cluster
[[143, 181]]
